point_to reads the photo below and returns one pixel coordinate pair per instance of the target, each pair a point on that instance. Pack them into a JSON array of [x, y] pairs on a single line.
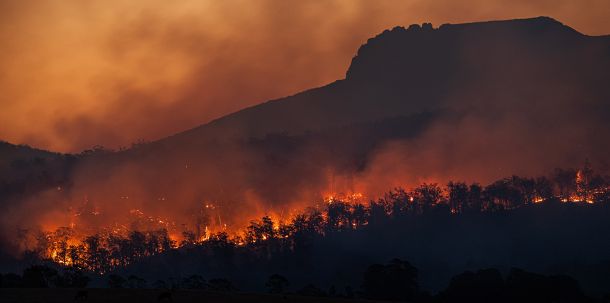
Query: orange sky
[[75, 73]]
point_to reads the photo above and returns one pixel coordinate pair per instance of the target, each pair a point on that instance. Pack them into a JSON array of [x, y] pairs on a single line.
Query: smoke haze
[[77, 74]]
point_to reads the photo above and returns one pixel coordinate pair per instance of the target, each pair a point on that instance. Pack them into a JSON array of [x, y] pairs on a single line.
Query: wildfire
[[206, 235], [136, 212], [578, 199], [351, 198], [102, 246]]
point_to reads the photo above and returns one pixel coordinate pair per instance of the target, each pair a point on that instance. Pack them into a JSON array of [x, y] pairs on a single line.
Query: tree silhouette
[[565, 182], [458, 196], [524, 286], [584, 182], [116, 281], [338, 216], [40, 276], [276, 284], [543, 187], [359, 215], [12, 280], [427, 196], [394, 281], [475, 201], [259, 231], [219, 284], [193, 282], [134, 281], [73, 278], [485, 285], [311, 291]]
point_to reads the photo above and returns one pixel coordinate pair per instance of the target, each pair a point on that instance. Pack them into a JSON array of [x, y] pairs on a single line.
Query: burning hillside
[[469, 102], [87, 238]]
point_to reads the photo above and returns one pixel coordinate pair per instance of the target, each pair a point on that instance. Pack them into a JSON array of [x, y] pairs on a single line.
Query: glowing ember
[[350, 198], [94, 241]]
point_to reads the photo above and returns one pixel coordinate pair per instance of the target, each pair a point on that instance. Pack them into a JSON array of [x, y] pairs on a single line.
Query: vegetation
[[296, 243], [266, 238], [395, 281]]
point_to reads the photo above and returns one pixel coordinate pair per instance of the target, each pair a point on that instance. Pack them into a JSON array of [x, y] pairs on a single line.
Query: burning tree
[[110, 248]]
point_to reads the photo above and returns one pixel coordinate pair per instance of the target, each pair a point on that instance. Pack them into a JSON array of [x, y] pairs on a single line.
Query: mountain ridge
[[473, 103], [459, 103], [245, 129], [255, 119]]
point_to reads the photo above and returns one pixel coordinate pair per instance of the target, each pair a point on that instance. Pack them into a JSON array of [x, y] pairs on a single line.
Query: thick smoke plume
[[111, 73], [422, 105]]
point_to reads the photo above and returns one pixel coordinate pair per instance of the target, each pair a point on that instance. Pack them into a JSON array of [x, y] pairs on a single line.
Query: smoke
[[521, 115], [111, 73], [156, 72]]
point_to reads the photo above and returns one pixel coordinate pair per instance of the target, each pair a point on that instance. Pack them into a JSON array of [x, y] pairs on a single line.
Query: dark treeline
[[44, 276], [395, 281]]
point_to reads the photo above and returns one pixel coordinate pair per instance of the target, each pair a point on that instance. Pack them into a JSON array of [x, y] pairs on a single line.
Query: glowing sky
[[76, 73]]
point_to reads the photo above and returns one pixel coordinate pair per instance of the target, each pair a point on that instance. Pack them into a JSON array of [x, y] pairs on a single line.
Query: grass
[[51, 295]]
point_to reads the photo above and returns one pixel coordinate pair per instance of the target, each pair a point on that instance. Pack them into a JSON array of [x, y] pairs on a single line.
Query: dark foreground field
[[51, 295]]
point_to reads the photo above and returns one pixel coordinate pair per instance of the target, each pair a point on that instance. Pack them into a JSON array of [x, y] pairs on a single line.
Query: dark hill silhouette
[[501, 97], [405, 71], [10, 153], [516, 97], [25, 170]]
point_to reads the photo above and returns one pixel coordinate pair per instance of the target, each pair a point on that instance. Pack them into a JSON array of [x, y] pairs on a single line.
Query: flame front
[[87, 237]]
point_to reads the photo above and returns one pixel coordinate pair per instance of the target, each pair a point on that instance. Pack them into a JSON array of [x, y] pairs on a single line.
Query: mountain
[[472, 102], [10, 153], [408, 70], [25, 170], [466, 102]]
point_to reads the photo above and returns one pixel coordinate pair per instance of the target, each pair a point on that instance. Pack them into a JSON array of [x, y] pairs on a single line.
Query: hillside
[[419, 106], [408, 70], [501, 97], [468, 102]]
